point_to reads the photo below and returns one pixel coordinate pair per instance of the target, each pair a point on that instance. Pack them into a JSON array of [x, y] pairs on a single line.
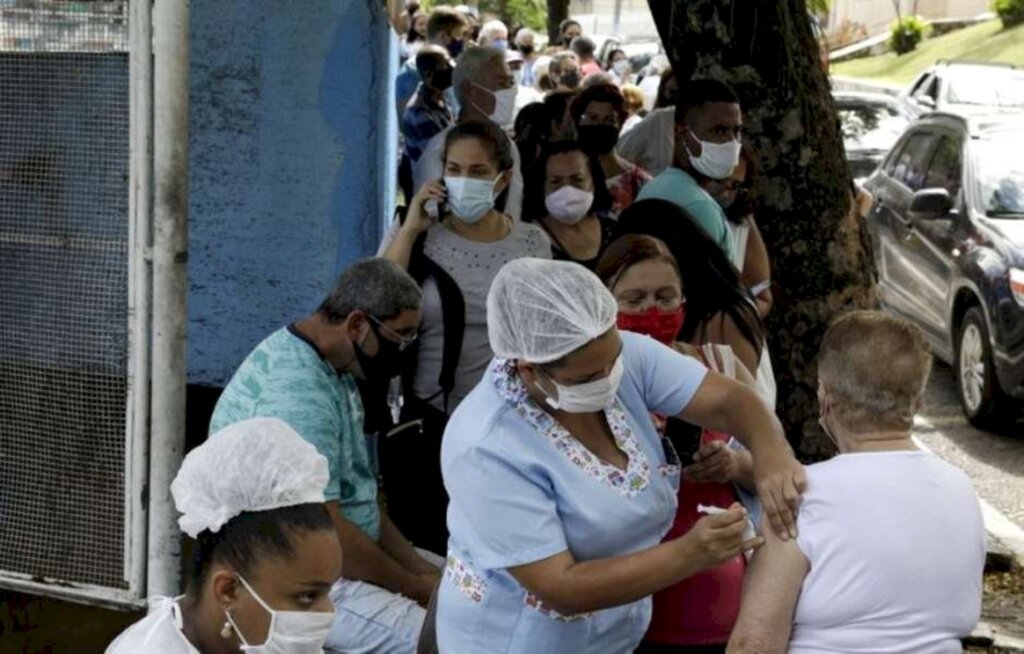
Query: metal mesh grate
[[64, 145]]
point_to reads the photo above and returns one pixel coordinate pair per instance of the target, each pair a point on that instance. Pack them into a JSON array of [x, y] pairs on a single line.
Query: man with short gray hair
[[485, 89], [890, 546], [305, 374], [494, 34]]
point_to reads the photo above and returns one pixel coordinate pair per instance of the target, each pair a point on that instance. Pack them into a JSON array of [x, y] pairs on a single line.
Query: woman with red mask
[[696, 615]]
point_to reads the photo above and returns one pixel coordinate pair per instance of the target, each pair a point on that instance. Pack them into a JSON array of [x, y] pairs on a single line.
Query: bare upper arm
[[723, 329], [771, 589]]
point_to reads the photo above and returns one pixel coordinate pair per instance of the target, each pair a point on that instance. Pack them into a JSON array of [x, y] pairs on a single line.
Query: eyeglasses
[[403, 341]]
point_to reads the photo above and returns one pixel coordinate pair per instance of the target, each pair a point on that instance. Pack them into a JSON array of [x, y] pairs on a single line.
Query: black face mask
[[386, 364], [598, 139], [455, 48], [571, 79], [527, 50], [442, 79]]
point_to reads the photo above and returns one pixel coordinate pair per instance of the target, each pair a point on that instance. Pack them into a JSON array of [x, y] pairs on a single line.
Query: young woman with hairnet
[[266, 552], [561, 488]]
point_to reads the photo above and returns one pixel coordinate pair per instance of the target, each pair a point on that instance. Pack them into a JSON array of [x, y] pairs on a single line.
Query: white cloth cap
[[540, 310], [253, 465]]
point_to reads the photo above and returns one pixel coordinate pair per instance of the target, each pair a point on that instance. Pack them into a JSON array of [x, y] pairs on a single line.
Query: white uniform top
[[430, 167], [160, 632], [896, 545]]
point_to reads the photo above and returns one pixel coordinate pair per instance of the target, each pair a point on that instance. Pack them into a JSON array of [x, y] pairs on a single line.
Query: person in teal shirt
[[305, 375], [709, 123]]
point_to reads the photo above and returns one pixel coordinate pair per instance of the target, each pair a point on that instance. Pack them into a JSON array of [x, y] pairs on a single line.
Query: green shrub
[[906, 34], [1011, 12]]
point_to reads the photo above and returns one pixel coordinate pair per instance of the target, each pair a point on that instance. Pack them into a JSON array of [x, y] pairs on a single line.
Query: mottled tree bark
[[558, 10], [821, 256]]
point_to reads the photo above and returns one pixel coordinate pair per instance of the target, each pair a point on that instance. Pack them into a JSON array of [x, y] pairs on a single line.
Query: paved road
[[994, 461]]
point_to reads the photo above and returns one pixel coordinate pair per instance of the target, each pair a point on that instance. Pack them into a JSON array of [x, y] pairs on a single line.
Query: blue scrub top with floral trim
[[523, 489]]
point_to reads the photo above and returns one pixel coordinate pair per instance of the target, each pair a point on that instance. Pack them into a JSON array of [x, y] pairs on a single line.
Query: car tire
[[983, 400]]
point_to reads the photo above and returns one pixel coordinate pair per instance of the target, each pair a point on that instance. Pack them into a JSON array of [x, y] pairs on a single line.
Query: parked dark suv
[[948, 231]]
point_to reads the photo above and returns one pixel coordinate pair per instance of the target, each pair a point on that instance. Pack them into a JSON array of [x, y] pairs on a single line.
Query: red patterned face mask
[[662, 326]]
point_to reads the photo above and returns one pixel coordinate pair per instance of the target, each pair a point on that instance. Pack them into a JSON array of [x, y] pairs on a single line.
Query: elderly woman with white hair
[[266, 552], [891, 544], [561, 487]]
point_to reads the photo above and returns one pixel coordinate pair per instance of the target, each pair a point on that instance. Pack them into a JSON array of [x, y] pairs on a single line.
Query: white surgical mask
[[569, 204], [621, 67], [504, 105], [470, 199], [291, 632], [593, 396], [716, 160]]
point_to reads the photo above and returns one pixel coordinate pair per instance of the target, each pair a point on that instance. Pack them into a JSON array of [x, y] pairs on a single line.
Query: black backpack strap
[[453, 313]]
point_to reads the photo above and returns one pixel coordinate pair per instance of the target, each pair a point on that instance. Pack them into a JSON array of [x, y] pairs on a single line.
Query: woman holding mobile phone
[[454, 255]]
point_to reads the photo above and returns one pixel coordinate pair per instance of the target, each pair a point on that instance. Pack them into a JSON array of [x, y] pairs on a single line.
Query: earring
[[227, 631]]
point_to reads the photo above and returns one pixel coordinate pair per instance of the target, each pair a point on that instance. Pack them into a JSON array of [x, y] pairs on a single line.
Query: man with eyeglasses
[[305, 374]]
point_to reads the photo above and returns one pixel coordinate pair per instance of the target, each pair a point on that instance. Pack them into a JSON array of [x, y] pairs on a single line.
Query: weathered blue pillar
[[291, 163]]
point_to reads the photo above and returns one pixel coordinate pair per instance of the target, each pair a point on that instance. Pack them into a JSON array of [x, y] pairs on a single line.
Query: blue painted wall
[[290, 163]]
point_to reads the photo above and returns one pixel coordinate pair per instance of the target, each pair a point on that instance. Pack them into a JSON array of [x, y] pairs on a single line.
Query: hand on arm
[[572, 587], [416, 222], [365, 560], [726, 405], [771, 589]]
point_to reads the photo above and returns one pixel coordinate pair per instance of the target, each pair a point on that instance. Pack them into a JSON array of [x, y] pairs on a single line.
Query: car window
[[944, 169], [921, 82], [1000, 173], [910, 165], [929, 88], [871, 125], [987, 85]]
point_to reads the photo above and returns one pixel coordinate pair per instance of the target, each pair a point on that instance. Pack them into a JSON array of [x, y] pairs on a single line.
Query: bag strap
[[453, 313]]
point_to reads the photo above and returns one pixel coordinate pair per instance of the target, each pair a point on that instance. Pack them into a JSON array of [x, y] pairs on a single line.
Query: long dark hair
[[710, 282], [533, 202]]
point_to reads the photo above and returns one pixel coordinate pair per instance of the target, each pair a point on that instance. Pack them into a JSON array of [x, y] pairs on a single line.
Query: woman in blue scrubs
[[561, 488]]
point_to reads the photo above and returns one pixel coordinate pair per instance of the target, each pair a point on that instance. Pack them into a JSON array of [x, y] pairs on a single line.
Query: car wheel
[[982, 399]]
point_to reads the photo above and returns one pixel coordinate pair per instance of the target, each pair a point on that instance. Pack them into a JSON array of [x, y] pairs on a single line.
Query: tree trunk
[[558, 10], [821, 256]]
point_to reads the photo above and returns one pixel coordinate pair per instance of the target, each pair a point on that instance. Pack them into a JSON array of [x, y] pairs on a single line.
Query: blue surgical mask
[[500, 44], [470, 199]]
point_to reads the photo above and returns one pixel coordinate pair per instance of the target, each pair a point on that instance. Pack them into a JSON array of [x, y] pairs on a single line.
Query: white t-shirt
[[651, 144], [430, 167], [160, 632], [896, 545]]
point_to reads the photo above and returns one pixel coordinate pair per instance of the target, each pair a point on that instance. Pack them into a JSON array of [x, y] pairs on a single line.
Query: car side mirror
[[926, 101], [931, 204]]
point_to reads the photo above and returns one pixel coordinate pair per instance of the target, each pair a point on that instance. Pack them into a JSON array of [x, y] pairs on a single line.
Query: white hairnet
[[540, 310], [252, 465]]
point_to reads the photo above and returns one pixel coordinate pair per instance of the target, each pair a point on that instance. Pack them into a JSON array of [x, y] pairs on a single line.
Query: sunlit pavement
[[995, 462]]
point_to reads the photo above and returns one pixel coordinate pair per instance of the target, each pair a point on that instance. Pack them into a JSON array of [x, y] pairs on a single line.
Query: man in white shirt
[[891, 545]]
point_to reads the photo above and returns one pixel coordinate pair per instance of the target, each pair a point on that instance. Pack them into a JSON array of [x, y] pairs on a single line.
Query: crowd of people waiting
[[542, 418]]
